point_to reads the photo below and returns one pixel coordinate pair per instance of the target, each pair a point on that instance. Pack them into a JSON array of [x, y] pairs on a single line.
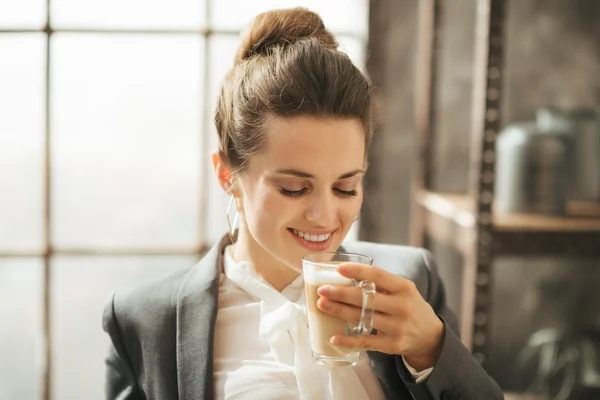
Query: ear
[[222, 172]]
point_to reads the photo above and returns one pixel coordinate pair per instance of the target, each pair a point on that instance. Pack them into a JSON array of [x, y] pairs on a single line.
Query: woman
[[294, 124]]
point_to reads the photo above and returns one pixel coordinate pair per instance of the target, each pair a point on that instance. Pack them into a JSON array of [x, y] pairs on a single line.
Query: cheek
[[267, 209], [351, 207]]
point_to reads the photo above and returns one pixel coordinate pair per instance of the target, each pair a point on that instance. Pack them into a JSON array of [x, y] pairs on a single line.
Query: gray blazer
[[162, 335]]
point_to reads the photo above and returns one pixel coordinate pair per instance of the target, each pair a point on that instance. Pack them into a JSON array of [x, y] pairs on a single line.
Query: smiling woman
[[293, 120]]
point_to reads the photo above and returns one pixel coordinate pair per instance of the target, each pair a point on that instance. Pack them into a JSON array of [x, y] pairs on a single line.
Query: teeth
[[312, 238]]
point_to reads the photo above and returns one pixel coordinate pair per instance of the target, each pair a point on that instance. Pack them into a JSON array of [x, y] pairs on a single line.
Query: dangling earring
[[232, 226]]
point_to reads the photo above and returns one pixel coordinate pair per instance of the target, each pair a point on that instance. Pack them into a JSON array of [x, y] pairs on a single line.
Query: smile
[[313, 242], [309, 237]]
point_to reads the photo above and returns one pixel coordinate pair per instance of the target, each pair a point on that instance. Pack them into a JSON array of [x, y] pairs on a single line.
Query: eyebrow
[[301, 174]]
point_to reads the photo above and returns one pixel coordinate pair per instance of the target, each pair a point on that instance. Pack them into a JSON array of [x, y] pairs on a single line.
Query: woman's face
[[301, 193]]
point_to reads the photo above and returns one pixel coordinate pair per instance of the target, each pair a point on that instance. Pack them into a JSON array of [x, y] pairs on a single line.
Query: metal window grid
[[48, 250]]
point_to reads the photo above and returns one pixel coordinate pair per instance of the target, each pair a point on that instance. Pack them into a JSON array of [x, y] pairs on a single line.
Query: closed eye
[[292, 193], [345, 192], [301, 192]]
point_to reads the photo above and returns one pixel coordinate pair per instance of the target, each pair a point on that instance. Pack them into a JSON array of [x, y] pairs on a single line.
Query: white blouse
[[262, 350]]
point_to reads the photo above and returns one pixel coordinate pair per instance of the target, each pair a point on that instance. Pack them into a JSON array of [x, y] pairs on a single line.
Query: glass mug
[[321, 269]]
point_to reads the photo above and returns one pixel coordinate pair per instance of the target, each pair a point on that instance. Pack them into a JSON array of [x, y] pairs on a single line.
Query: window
[[105, 178]]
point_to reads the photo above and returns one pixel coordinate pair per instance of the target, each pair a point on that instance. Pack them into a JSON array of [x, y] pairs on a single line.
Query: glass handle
[[365, 325]]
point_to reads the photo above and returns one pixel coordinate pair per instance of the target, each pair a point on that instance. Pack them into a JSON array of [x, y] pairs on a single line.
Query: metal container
[[584, 125], [533, 169]]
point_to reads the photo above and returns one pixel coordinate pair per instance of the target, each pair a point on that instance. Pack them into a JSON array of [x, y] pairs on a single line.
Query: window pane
[[22, 13], [126, 121], [338, 15], [221, 53], [128, 13], [80, 289], [21, 139], [21, 330], [355, 49]]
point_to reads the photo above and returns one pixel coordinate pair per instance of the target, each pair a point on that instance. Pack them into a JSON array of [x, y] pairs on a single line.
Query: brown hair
[[287, 65]]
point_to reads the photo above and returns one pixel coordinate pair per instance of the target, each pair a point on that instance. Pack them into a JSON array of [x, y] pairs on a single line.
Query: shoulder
[[140, 321], [139, 307], [414, 263]]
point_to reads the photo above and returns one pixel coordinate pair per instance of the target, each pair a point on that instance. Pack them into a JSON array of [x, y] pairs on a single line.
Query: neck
[[266, 266]]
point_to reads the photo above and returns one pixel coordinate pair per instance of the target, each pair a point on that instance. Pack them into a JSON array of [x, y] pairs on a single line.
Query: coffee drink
[[324, 326], [321, 269]]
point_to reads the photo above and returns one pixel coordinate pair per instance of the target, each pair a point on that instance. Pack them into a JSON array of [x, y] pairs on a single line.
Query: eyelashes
[[348, 193], [301, 192], [292, 193]]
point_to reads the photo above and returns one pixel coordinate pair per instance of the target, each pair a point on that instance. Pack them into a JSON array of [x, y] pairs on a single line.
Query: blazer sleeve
[[456, 375], [120, 381]]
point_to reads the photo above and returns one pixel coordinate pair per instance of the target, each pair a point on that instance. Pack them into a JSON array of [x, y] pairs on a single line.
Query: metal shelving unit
[[467, 221]]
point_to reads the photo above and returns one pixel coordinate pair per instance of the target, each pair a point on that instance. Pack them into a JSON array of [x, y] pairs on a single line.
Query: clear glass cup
[[321, 269]]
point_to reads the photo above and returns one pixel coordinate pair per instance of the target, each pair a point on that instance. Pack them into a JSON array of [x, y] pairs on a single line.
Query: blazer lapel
[[196, 315]]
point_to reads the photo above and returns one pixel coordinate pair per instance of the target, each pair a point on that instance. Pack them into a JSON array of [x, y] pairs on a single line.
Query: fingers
[[384, 303], [381, 343], [384, 281], [381, 322]]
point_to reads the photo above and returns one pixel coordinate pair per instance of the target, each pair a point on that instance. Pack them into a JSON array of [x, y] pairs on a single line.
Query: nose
[[321, 210]]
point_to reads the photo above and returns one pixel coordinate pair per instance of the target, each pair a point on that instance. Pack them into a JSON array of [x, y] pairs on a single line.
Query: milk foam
[[318, 277]]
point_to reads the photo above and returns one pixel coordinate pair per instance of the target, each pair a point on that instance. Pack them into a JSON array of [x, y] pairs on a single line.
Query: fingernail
[[346, 268], [334, 340], [324, 304], [324, 290]]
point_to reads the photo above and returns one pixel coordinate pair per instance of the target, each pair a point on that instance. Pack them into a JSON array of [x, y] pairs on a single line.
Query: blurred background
[[487, 151]]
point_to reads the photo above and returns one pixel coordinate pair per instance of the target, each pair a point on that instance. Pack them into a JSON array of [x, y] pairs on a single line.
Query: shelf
[[519, 396], [449, 219]]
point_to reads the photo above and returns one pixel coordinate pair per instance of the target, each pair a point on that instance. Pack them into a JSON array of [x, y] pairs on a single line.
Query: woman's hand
[[405, 323]]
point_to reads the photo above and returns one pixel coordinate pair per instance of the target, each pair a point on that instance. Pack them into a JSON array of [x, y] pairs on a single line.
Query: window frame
[[48, 250]]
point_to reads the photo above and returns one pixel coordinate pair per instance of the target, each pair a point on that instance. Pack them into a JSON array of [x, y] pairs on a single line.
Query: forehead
[[311, 142]]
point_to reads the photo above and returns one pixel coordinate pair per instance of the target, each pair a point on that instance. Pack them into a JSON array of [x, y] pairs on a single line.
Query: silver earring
[[232, 225]]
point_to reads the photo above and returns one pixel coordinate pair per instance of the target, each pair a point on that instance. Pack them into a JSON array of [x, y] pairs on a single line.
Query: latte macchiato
[[324, 326], [321, 269]]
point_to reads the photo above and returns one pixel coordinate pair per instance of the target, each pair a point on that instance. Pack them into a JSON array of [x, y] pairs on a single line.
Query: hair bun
[[281, 28]]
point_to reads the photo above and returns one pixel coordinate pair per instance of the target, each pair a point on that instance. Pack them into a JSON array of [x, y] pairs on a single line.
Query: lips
[[311, 237], [313, 241]]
